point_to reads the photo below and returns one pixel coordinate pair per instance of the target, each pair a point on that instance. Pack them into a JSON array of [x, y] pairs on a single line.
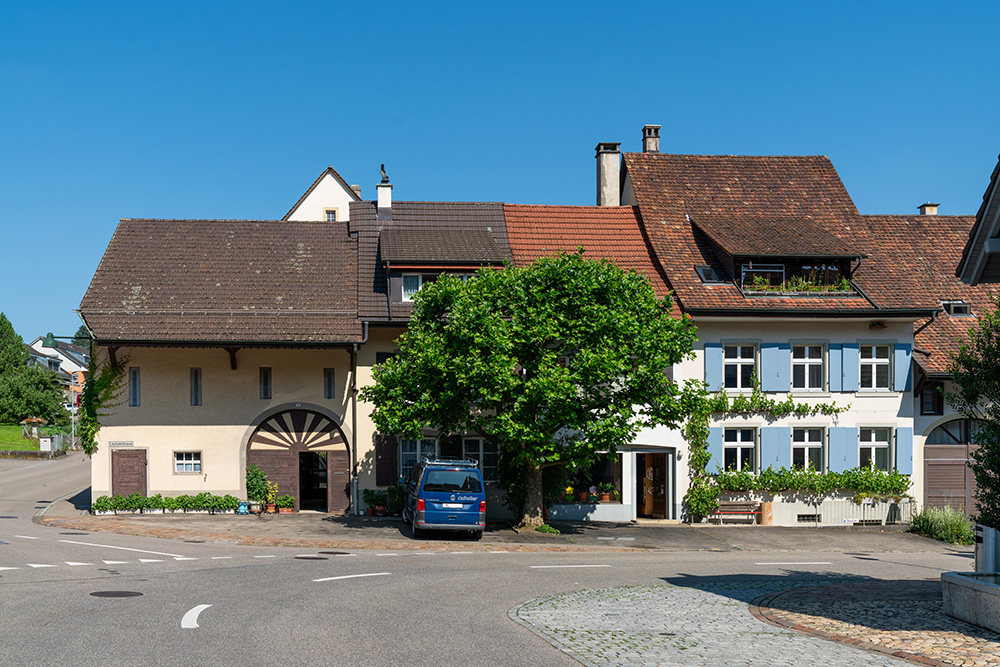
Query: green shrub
[[286, 501], [256, 484], [947, 525]]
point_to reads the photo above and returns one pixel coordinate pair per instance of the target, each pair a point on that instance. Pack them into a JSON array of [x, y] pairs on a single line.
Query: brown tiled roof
[[604, 232], [331, 171], [916, 259], [774, 237], [225, 281], [673, 190], [444, 217], [979, 231], [475, 246]]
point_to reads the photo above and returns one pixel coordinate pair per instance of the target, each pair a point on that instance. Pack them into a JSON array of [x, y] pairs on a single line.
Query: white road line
[[821, 562], [183, 558], [26, 537], [265, 556], [386, 554], [627, 539], [115, 562], [553, 567], [499, 552], [355, 576], [38, 565], [605, 538], [73, 563], [190, 619], [10, 568], [108, 546], [150, 560], [461, 552], [220, 557], [345, 555]]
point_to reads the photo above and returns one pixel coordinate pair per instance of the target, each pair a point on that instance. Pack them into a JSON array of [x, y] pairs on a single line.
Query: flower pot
[[285, 510], [369, 511], [381, 510], [271, 509], [582, 496], [605, 497]]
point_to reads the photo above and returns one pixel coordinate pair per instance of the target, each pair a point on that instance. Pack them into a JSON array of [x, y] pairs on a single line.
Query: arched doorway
[[305, 452], [948, 480]]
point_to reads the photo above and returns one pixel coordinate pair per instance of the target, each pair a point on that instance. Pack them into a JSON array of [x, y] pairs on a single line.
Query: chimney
[[928, 208], [384, 197], [608, 187], [357, 190], [651, 139]]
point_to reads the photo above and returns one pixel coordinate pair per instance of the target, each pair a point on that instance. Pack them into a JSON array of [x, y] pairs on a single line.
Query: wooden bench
[[742, 508]]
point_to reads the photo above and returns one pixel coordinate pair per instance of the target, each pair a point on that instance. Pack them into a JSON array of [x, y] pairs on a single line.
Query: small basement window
[[708, 274], [957, 308]]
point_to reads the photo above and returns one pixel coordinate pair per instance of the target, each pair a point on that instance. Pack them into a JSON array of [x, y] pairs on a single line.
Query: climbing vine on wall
[[101, 392]]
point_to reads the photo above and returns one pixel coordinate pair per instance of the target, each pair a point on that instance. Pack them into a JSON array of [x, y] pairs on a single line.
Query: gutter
[[832, 314], [355, 503]]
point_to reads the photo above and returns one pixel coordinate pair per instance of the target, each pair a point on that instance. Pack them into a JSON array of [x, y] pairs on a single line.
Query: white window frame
[[867, 441], [807, 363], [187, 463], [479, 449], [411, 451], [740, 443], [419, 277], [739, 362], [874, 363], [807, 444], [328, 211]]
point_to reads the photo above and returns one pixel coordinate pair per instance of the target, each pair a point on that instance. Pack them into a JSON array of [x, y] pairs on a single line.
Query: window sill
[[877, 394]]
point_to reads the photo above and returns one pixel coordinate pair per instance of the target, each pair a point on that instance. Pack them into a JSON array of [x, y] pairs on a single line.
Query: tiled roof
[[760, 236], [604, 232], [803, 191], [443, 218], [449, 246], [916, 259], [225, 281]]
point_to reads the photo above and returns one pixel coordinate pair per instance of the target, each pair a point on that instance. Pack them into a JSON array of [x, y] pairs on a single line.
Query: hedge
[[138, 503]]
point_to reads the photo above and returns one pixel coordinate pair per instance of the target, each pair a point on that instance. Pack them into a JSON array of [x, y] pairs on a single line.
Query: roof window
[[957, 308], [708, 275]]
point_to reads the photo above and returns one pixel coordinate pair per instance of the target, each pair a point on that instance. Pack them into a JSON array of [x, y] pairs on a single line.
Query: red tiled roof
[[804, 191], [225, 281], [916, 256]]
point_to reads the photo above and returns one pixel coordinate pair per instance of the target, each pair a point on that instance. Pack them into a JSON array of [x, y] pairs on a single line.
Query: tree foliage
[[26, 391], [975, 377], [13, 353], [82, 336], [555, 362]]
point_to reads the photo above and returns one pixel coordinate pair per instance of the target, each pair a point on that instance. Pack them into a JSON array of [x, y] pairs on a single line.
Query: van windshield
[[451, 481]]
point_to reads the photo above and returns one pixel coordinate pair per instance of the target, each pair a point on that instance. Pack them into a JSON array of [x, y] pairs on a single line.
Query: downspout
[[858, 289], [355, 504], [929, 322], [388, 291]]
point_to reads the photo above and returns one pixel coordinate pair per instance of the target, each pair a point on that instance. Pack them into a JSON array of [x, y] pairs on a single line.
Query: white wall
[[329, 193]]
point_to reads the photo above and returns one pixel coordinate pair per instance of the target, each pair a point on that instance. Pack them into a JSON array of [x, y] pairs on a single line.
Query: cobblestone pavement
[[711, 624], [891, 616]]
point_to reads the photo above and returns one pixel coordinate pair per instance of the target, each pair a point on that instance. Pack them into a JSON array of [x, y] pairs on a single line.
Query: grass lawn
[[10, 438]]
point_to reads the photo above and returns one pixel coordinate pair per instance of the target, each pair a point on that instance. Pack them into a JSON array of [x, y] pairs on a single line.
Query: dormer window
[[795, 276], [412, 282], [708, 275], [957, 308]]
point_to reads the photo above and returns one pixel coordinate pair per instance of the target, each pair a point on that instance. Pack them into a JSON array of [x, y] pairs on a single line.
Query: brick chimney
[[928, 208], [651, 139], [384, 190], [608, 187]]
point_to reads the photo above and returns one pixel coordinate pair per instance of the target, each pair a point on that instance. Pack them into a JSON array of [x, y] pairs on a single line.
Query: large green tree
[[13, 353], [975, 376], [26, 391], [555, 362], [82, 336]]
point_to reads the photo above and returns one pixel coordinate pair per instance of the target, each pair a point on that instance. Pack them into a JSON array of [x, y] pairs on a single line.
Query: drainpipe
[[354, 420], [927, 324], [388, 289]]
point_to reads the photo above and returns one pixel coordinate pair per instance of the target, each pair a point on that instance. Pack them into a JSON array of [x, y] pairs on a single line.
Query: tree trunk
[[533, 498]]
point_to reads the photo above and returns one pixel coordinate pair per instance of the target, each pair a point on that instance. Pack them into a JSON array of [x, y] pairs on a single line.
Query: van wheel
[[477, 535], [417, 532]]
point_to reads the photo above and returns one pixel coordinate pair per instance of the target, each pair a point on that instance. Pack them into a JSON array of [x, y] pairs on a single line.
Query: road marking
[[72, 563], [220, 557], [150, 560], [627, 539], [183, 558], [265, 556], [345, 555], [190, 619], [386, 554], [10, 568], [499, 552], [821, 562], [26, 537], [355, 576], [115, 562], [461, 552], [552, 567], [108, 546], [605, 538], [37, 565]]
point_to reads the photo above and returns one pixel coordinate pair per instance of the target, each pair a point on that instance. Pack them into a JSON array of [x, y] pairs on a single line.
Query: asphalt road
[[221, 604]]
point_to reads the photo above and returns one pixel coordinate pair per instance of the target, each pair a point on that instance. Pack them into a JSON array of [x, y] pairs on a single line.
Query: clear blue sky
[[230, 110]]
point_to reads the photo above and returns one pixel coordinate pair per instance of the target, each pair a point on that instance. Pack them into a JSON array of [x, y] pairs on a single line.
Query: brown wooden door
[[128, 472], [948, 480]]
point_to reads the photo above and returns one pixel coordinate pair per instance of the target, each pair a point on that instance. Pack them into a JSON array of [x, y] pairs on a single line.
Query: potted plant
[[592, 494], [256, 488], [371, 498], [395, 496], [569, 493], [285, 503], [605, 489], [272, 493]]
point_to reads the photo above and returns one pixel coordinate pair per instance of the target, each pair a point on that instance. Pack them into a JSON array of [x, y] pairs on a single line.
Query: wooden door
[[128, 472]]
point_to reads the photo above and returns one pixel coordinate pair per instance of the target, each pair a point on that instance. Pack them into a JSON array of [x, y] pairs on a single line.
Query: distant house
[[73, 363], [328, 199]]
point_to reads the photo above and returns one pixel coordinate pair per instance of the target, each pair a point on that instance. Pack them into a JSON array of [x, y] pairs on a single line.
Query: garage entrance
[[306, 454]]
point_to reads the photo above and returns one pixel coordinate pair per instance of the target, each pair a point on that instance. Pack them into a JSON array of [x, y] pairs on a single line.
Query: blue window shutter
[[776, 447], [901, 367], [715, 449], [843, 448], [713, 366], [904, 450], [775, 367], [851, 367], [836, 357]]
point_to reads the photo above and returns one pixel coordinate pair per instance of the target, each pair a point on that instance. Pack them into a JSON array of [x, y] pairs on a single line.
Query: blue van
[[445, 494]]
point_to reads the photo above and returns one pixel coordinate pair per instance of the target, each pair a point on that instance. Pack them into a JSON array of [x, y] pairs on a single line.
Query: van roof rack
[[451, 461]]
